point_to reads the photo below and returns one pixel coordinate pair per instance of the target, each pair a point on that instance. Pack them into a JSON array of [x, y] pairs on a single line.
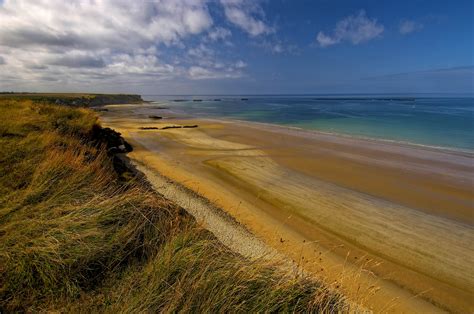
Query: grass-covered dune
[[77, 236]]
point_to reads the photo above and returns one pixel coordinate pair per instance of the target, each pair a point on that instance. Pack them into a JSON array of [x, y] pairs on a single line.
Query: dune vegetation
[[76, 235]]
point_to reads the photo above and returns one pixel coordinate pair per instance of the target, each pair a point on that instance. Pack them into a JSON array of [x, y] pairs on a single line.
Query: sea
[[438, 121]]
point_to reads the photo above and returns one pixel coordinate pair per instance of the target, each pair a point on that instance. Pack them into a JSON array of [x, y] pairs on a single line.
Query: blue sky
[[237, 46]]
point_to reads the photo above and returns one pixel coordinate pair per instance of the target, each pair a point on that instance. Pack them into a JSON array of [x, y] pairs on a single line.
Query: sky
[[174, 47]]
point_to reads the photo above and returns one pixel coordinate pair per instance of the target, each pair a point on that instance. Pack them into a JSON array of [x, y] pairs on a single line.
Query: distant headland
[[76, 99]]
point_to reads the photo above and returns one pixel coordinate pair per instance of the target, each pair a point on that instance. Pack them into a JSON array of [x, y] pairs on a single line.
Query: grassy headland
[[76, 235], [74, 99]]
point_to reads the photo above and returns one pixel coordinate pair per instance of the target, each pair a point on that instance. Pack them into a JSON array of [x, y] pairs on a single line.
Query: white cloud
[[354, 28], [206, 65], [240, 64], [108, 41], [201, 52], [200, 73], [276, 46], [325, 40], [408, 26], [197, 72], [92, 24], [245, 15], [219, 33]]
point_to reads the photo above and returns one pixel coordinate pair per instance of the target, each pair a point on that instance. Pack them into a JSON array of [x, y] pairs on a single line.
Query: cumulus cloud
[[407, 26], [93, 24], [247, 15], [219, 33], [356, 29], [114, 41]]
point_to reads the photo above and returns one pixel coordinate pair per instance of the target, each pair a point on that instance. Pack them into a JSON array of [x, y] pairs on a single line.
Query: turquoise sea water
[[434, 121]]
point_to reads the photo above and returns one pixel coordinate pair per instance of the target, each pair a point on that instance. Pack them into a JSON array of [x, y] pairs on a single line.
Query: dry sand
[[389, 224]]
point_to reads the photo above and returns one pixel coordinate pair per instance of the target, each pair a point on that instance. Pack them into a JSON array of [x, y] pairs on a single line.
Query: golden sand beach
[[389, 224]]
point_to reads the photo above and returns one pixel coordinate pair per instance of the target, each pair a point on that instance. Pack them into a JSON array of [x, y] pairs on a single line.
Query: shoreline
[[183, 115], [301, 130], [209, 155], [343, 135]]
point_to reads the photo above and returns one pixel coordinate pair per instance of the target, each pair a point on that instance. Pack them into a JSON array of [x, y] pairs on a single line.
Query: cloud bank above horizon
[[109, 40]]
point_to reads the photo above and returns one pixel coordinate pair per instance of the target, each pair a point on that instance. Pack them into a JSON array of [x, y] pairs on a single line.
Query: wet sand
[[389, 224]]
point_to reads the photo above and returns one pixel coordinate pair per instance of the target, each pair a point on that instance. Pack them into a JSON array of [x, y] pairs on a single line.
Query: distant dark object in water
[[149, 128], [197, 99], [159, 107], [179, 100], [217, 99], [244, 99], [396, 99], [367, 98], [155, 117]]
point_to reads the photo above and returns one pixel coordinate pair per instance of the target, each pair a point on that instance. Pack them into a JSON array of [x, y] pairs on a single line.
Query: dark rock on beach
[[116, 149], [112, 139], [169, 127]]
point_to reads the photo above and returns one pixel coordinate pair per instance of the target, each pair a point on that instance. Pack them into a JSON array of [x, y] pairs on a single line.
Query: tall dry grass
[[75, 238]]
